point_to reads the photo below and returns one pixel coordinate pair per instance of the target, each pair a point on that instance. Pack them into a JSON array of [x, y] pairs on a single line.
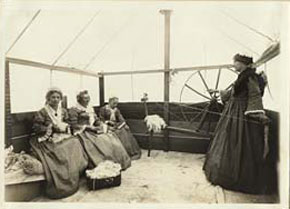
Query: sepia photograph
[[149, 102]]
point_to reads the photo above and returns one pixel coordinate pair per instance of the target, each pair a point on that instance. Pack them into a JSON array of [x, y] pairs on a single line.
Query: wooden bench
[[22, 187], [18, 185]]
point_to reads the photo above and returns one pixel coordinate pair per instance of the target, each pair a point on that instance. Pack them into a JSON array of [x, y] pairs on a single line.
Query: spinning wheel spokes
[[205, 114], [197, 92], [203, 81], [218, 79], [198, 114]]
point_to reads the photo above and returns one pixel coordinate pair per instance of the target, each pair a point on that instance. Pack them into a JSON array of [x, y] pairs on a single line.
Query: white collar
[[55, 115], [89, 109]]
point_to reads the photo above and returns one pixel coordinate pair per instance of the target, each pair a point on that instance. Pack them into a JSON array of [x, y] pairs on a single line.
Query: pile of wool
[[21, 161], [105, 169], [13, 161], [154, 123]]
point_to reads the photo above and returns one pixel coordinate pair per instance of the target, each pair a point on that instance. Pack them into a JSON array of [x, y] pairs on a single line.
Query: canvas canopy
[[116, 37]]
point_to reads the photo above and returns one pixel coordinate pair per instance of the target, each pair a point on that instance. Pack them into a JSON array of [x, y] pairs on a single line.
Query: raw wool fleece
[[13, 161], [154, 123], [21, 161], [105, 169]]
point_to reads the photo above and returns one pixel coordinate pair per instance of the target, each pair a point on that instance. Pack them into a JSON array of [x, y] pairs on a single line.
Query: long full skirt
[[129, 142], [100, 147], [63, 163], [234, 159]]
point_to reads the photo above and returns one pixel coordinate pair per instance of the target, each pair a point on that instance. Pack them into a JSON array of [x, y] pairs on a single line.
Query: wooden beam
[[175, 137], [129, 72], [8, 120], [166, 14], [50, 67], [102, 90], [188, 131], [132, 72], [181, 69]]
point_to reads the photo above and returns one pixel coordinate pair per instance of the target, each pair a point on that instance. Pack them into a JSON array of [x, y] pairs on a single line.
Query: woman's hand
[[266, 150], [85, 114], [111, 128], [60, 128], [212, 91], [92, 128], [266, 143], [49, 130], [110, 123], [56, 128]]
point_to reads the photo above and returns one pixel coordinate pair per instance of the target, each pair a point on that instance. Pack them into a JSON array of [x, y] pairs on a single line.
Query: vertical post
[[166, 14], [102, 90], [8, 120], [64, 103]]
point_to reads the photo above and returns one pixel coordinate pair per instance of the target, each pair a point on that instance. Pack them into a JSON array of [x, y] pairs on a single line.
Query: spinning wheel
[[196, 95]]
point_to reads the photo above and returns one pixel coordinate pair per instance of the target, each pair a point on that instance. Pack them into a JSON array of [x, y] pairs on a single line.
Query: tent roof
[[126, 36], [201, 34]]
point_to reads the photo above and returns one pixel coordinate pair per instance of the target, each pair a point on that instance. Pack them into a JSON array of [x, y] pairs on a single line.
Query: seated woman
[[61, 154], [111, 115], [98, 145]]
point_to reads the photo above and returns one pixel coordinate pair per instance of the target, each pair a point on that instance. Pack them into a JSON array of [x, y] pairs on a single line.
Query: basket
[[95, 184]]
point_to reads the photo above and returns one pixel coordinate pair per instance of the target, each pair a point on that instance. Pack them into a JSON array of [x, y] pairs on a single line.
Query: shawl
[[56, 116], [112, 112], [89, 110]]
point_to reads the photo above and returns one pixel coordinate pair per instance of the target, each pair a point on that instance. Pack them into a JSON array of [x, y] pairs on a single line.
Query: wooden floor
[[165, 177]]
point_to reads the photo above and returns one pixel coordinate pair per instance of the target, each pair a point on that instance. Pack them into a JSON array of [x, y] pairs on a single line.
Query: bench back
[[134, 114]]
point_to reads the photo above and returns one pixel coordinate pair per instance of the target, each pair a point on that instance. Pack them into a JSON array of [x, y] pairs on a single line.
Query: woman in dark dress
[[112, 116], [98, 145], [61, 154], [236, 154]]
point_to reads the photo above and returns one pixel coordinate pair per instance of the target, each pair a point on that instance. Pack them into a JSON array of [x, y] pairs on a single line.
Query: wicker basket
[[95, 184]]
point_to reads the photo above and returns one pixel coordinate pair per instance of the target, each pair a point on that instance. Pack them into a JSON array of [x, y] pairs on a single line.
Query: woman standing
[[236, 154], [112, 116], [61, 154], [98, 145]]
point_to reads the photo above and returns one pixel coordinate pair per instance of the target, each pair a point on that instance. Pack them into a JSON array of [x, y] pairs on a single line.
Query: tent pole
[[8, 122], [166, 14], [102, 90]]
